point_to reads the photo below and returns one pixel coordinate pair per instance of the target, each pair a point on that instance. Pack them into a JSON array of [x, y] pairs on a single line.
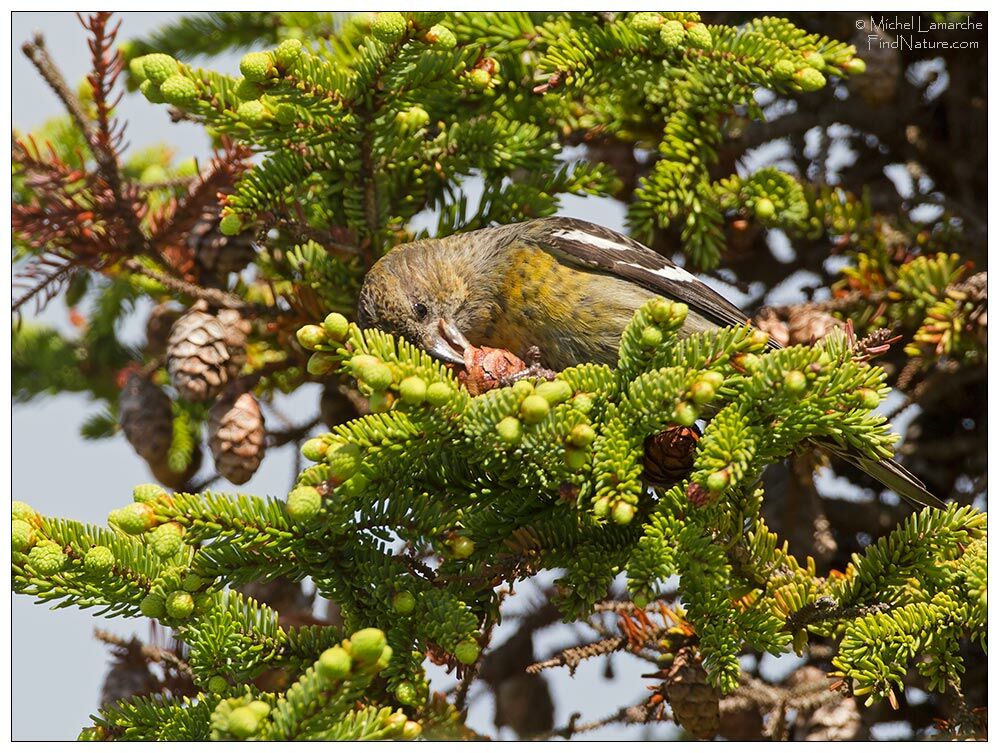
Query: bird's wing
[[593, 247], [892, 475]]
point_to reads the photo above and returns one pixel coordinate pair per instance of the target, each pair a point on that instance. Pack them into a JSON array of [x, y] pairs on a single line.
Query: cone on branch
[[205, 352], [669, 455], [161, 319], [146, 417], [129, 675], [217, 254], [693, 700], [236, 436], [175, 479]]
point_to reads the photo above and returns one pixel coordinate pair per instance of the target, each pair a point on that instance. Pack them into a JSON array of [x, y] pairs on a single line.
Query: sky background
[[60, 474]]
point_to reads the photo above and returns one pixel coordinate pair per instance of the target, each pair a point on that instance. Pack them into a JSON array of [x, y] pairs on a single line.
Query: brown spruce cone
[[167, 476], [236, 436], [217, 254], [205, 352], [796, 325], [807, 325], [340, 404], [693, 700], [669, 455], [161, 319], [146, 416], [129, 675]]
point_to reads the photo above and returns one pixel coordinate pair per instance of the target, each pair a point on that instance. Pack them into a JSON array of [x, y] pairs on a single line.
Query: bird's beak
[[450, 344]]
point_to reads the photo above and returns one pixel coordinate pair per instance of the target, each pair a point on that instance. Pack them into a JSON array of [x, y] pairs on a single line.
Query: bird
[[562, 286]]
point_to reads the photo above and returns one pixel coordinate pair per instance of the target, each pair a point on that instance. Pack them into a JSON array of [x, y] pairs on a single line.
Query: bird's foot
[[533, 369]]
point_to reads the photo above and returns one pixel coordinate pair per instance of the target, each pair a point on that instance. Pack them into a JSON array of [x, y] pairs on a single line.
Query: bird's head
[[426, 293]]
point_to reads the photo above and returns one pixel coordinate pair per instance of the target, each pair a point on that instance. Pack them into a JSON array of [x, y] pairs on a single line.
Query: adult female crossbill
[[565, 286]]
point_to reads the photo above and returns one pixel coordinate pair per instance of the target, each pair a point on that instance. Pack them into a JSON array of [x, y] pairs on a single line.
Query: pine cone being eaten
[[236, 436], [205, 352], [693, 700], [146, 417]]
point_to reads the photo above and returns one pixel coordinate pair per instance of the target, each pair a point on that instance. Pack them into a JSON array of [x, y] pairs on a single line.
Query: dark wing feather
[[589, 246]]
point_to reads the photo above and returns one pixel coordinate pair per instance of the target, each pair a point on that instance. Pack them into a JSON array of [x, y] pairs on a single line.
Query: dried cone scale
[[236, 436], [146, 417], [205, 352]]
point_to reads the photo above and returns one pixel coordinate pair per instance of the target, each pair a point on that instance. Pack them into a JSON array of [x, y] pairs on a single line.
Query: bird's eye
[[420, 310]]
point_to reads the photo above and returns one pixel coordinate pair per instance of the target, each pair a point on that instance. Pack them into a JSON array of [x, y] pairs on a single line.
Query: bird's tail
[[892, 475]]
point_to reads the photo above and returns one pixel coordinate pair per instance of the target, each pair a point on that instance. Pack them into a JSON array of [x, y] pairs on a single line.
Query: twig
[[215, 297], [292, 434], [572, 657], [826, 608], [38, 54], [637, 714], [150, 653]]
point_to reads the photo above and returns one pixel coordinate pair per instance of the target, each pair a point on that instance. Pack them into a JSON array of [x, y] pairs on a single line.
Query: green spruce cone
[[179, 605], [256, 66], [467, 652], [23, 511], [672, 34], [148, 494], [699, 36], [509, 430], [22, 535], [336, 326], [413, 390], [462, 547], [151, 92], [404, 602], [288, 52], [252, 111], [440, 37], [166, 539], [312, 337], [334, 664], [158, 67], [439, 394], [47, 558], [647, 23], [809, 79], [153, 606], [304, 504], [389, 27], [426, 19], [344, 461], [231, 224], [366, 645], [98, 560], [179, 90], [133, 519], [534, 409], [243, 723]]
